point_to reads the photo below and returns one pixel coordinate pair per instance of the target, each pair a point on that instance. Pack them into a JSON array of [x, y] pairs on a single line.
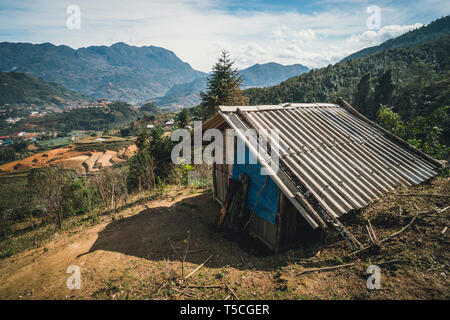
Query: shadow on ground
[[152, 233]]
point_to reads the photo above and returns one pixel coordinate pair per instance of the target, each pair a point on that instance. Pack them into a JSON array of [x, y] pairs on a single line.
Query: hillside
[[426, 33], [135, 253], [20, 88], [99, 118], [258, 75], [118, 72], [419, 73], [186, 94]]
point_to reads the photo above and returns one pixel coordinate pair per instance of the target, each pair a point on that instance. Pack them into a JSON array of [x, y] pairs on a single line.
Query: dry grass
[[128, 256]]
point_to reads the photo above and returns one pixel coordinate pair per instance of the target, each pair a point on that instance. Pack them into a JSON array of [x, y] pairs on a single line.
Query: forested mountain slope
[[117, 72], [426, 33], [22, 88]]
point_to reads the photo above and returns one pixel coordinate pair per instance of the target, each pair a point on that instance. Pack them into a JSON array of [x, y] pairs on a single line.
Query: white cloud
[[197, 30], [374, 37]]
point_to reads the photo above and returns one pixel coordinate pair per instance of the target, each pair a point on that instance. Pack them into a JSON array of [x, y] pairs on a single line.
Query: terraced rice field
[[71, 158]]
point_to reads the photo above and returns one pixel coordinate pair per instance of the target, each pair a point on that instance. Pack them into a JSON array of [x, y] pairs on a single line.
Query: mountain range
[[258, 75], [20, 88], [124, 72], [118, 72], [153, 74]]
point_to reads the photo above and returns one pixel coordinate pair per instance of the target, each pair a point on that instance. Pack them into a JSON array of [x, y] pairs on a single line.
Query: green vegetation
[[48, 197], [23, 88], [433, 30], [423, 132], [117, 72], [97, 118], [223, 88], [408, 65], [54, 143], [150, 109], [7, 154], [412, 81], [183, 118], [152, 165]]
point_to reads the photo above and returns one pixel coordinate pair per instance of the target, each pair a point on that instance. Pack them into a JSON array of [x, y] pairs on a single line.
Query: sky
[[312, 33]]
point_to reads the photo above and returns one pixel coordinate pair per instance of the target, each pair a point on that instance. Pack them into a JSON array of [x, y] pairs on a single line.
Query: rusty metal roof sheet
[[334, 157]]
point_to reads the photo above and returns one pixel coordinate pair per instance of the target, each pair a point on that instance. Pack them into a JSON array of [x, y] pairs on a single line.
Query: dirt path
[[141, 236], [131, 257]]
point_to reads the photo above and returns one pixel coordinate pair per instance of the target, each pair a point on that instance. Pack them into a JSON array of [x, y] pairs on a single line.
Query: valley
[[87, 155]]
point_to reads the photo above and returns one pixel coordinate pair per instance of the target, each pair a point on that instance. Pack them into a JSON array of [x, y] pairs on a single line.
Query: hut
[[332, 160]]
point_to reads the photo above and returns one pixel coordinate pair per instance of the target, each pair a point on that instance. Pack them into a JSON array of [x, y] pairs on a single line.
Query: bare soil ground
[[69, 158], [137, 254]]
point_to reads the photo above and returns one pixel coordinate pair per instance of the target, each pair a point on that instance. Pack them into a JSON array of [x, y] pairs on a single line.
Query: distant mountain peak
[[136, 73]]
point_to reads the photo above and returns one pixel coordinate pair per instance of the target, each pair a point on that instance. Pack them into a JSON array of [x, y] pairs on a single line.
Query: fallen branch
[[373, 232], [435, 268], [196, 250], [186, 293], [346, 265], [325, 268], [424, 195], [206, 287], [198, 268], [370, 235], [401, 230], [161, 287], [232, 292], [183, 292], [389, 262], [442, 210], [394, 234], [185, 254]]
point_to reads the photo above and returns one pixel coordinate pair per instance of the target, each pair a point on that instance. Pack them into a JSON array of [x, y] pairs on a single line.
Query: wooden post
[[112, 197]]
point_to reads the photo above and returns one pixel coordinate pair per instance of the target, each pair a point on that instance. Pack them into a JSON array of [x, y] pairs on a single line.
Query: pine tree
[[223, 87], [183, 118], [361, 98], [384, 89]]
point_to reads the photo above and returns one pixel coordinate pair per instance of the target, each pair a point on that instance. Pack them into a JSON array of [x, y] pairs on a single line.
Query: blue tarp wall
[[268, 199]]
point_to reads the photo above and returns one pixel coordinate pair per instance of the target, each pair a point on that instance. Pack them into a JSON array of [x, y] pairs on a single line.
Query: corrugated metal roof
[[332, 156]]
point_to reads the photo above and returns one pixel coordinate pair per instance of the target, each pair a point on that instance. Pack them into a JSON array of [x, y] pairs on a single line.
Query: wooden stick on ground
[[232, 292], [207, 287], [185, 254], [392, 235], [380, 263], [370, 235], [326, 268], [345, 265], [373, 232], [435, 268], [442, 210], [161, 287], [425, 195], [198, 268], [182, 292]]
